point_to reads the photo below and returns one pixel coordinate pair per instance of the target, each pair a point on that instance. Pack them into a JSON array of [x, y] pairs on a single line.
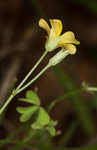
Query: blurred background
[[22, 43]]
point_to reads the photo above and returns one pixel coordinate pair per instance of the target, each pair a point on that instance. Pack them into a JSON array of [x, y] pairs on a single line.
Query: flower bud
[[58, 57]]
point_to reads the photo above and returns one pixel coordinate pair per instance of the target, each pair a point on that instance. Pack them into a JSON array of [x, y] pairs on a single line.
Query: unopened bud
[[58, 57], [88, 88]]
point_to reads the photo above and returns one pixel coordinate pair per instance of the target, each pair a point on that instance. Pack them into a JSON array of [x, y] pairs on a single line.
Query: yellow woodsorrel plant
[[66, 42]]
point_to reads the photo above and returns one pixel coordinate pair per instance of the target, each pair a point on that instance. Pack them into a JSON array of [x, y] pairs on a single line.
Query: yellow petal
[[56, 26], [43, 24], [70, 47], [52, 35], [68, 37]]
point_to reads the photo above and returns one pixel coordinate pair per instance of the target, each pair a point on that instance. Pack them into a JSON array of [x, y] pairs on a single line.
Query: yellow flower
[[55, 39]]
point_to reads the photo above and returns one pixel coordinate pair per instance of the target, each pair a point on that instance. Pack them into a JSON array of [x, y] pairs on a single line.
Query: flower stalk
[[34, 79], [6, 103], [32, 70], [19, 89]]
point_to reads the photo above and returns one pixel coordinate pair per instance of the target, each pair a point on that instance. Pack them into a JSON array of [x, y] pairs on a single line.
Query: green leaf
[[52, 123], [22, 110], [25, 117], [52, 131], [26, 100], [32, 97], [43, 117], [36, 125], [27, 112]]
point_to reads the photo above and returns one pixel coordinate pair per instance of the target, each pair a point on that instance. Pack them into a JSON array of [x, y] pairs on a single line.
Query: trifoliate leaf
[[52, 131], [43, 117], [27, 112], [32, 96]]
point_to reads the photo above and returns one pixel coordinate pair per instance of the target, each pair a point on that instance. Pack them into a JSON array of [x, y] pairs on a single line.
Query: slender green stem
[[34, 79], [92, 89], [24, 87], [64, 96], [31, 71], [19, 89], [6, 103]]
